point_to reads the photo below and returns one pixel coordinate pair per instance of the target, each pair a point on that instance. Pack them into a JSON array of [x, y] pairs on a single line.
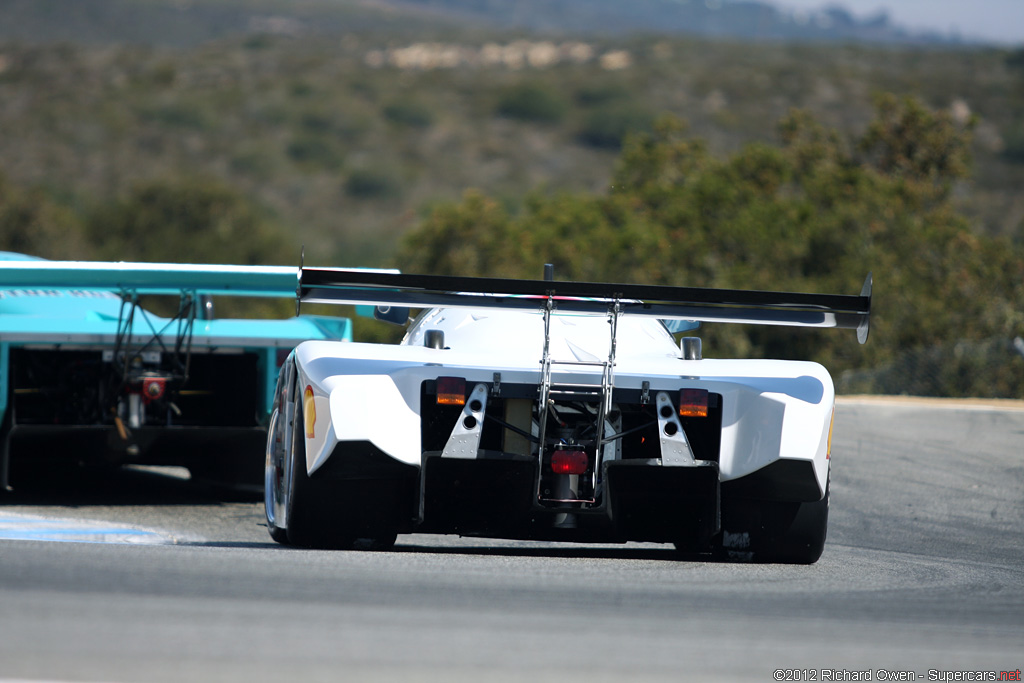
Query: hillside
[[419, 134], [346, 140], [736, 19], [191, 22], [187, 23]]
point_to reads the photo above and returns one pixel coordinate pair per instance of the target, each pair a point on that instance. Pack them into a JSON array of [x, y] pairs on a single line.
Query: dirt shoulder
[[927, 401]]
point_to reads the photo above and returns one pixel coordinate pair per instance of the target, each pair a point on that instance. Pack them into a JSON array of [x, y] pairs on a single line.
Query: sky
[[999, 21]]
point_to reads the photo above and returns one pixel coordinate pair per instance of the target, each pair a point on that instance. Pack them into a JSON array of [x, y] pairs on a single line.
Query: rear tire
[[311, 522], [322, 511], [276, 472], [774, 531]]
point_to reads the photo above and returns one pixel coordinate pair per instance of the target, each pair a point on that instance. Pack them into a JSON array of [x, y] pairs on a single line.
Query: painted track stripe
[[28, 528]]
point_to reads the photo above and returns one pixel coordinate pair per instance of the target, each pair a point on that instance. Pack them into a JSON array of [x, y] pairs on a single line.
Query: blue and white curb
[[30, 528]]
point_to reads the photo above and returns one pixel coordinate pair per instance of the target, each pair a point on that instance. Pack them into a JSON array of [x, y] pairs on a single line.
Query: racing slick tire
[[275, 477], [311, 521], [774, 531], [323, 512]]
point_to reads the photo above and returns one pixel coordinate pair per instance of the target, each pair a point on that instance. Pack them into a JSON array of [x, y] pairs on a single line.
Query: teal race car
[[89, 375]]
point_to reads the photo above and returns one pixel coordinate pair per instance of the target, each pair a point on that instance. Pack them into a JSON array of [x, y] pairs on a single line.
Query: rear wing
[[150, 278], [337, 285], [157, 278]]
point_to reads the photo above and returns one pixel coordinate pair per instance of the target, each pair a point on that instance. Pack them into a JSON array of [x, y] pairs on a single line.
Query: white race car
[[546, 410]]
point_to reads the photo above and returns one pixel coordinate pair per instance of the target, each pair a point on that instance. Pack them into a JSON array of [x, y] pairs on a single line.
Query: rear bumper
[[643, 501], [782, 480], [495, 496]]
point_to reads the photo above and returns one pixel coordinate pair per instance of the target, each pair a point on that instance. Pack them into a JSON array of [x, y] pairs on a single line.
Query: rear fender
[[761, 427], [367, 408]]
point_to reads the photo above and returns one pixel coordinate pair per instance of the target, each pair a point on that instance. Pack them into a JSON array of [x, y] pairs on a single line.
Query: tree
[[193, 221], [814, 213], [187, 221], [473, 238], [31, 223], [926, 149]]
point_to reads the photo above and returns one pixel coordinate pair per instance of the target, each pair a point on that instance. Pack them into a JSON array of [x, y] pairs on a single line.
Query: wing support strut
[[549, 390], [129, 358]]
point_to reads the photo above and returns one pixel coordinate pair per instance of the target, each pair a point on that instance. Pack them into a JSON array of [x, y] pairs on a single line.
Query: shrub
[[180, 114], [191, 220], [601, 93], [315, 150], [1013, 150], [606, 127], [532, 102], [409, 113], [372, 183]]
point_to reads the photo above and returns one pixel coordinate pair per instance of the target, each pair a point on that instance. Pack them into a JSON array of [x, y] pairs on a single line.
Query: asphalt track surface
[[923, 572]]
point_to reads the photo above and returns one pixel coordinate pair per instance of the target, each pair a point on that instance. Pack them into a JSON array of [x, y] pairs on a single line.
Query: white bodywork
[[771, 410], [546, 410]]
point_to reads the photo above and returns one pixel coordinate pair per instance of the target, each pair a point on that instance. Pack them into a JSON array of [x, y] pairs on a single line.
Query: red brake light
[[153, 388], [451, 391], [693, 403], [569, 462]]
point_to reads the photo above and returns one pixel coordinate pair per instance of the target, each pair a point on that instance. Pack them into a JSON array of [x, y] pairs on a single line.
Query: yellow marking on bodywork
[[832, 421], [309, 412]]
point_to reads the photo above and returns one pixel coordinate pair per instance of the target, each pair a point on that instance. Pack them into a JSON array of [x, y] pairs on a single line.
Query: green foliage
[[907, 141], [475, 237], [589, 95], [186, 221], [1015, 59], [815, 213], [373, 183], [283, 120], [32, 223], [1013, 150], [348, 155], [255, 162], [989, 368], [607, 126], [409, 113], [317, 151], [532, 101], [179, 114]]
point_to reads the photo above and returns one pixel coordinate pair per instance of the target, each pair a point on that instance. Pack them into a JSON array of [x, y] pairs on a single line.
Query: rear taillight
[[153, 388], [569, 462], [693, 403], [451, 391]]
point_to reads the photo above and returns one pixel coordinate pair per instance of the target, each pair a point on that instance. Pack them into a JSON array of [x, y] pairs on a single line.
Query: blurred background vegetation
[[229, 131]]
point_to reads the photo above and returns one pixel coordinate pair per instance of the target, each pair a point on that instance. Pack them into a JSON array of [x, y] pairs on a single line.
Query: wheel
[[296, 508], [275, 484], [317, 513], [311, 521], [772, 531]]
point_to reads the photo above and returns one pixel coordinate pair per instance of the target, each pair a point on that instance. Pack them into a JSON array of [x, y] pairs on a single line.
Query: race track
[[923, 571]]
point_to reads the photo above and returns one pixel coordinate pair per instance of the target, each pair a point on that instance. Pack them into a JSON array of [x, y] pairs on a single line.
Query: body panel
[[77, 347], [772, 409]]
